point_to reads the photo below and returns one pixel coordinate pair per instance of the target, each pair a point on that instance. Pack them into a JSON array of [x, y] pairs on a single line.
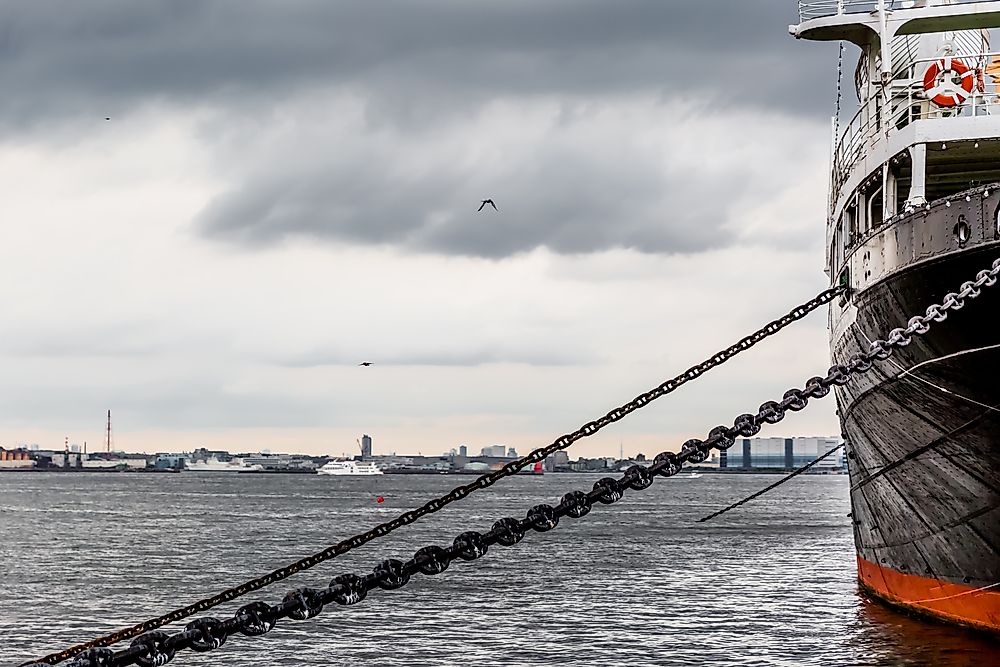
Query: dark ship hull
[[923, 427]]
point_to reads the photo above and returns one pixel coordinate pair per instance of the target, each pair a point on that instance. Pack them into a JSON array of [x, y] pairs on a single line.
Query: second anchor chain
[[482, 482], [257, 618]]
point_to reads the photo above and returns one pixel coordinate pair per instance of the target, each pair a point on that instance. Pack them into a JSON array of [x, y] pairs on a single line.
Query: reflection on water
[[639, 582], [889, 637]]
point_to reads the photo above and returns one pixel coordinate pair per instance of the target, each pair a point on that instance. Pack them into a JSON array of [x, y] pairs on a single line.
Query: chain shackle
[[607, 490], [666, 464], [391, 574], [155, 652], [542, 518], [432, 560], [470, 545], [95, 657], [255, 619], [304, 603], [348, 589], [211, 635], [508, 531], [639, 477], [577, 504]]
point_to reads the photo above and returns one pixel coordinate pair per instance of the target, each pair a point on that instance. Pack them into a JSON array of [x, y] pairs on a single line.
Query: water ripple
[[639, 582]]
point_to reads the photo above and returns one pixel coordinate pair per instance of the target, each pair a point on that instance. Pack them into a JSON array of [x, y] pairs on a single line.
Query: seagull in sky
[[107, 119], [490, 202], [365, 363]]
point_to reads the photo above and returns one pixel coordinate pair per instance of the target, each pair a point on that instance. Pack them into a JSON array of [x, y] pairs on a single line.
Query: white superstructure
[[215, 465], [350, 468], [927, 125]]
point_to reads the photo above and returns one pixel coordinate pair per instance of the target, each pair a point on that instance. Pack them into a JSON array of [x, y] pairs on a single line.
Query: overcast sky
[[285, 189]]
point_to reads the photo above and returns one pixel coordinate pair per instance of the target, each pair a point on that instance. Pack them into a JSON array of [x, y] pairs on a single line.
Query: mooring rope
[[257, 618], [958, 595], [773, 486], [459, 492]]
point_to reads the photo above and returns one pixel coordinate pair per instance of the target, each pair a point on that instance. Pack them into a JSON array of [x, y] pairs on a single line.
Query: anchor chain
[[840, 81], [482, 482], [156, 648]]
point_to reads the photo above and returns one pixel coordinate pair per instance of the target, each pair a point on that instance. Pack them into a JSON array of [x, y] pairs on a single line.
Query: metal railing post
[[910, 76]]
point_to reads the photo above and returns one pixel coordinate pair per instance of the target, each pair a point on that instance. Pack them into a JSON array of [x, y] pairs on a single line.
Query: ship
[[212, 464], [913, 212], [15, 459], [349, 467]]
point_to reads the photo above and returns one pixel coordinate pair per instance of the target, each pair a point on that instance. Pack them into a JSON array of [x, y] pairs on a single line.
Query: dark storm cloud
[[63, 60], [571, 199], [419, 70]]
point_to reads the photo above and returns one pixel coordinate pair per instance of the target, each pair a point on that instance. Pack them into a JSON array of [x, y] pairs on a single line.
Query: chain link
[[460, 492], [840, 81], [157, 648]]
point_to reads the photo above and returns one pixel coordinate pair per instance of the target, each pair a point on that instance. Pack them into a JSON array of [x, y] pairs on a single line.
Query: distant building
[[511, 453], [588, 465], [463, 450], [366, 446], [780, 453], [203, 454], [495, 451], [172, 461], [100, 463], [557, 460], [15, 459]]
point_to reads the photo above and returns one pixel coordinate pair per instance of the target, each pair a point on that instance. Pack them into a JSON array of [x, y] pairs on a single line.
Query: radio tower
[[109, 432]]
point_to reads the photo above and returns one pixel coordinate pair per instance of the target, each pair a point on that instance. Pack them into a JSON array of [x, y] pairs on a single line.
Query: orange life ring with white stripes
[[939, 81]]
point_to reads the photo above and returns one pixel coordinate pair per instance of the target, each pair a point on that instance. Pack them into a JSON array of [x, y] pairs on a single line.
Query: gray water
[[638, 583]]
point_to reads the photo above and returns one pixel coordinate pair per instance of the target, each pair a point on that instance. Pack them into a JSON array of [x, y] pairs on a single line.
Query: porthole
[[962, 231]]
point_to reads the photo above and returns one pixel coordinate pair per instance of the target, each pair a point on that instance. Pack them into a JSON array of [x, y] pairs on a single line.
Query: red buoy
[[380, 499]]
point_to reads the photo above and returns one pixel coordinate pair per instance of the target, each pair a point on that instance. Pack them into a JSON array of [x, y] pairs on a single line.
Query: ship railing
[[816, 9], [860, 135], [903, 102]]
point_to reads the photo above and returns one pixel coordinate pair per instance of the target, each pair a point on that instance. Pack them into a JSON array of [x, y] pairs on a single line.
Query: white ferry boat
[[350, 468], [215, 465]]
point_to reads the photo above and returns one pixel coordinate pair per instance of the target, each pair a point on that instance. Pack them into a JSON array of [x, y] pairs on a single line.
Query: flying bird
[[365, 363], [490, 202], [107, 119]]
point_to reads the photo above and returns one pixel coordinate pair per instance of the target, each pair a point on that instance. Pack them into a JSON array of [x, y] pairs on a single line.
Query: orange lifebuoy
[[942, 90]]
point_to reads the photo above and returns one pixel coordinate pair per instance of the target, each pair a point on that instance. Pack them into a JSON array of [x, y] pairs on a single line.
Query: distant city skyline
[[746, 452], [630, 451], [275, 201]]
